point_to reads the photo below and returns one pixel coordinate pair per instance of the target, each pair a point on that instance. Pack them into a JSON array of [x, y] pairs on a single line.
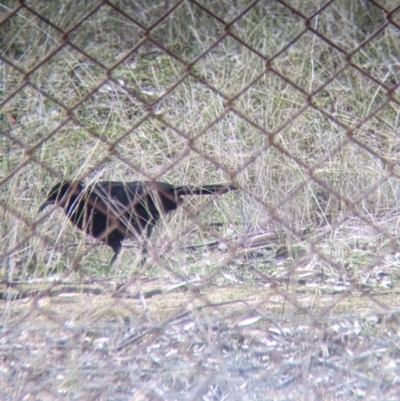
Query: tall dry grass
[[75, 106]]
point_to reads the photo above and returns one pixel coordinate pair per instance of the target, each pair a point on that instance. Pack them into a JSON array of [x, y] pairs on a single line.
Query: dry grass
[[318, 200]]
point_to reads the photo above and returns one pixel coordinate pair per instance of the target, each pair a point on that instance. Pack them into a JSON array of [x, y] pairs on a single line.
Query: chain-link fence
[[286, 288]]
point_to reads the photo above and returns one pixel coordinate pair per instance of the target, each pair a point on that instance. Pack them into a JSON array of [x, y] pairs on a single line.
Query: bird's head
[[61, 192]]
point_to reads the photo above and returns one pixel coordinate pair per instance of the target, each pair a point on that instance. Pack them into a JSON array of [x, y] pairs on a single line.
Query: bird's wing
[[119, 200]]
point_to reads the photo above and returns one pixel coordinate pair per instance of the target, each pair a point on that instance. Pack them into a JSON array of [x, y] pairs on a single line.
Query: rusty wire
[[136, 340]]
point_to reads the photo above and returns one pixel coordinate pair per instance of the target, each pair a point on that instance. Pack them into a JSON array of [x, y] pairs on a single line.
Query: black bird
[[112, 210]]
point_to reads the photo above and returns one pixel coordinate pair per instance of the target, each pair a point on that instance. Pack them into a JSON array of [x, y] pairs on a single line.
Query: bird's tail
[[204, 189]]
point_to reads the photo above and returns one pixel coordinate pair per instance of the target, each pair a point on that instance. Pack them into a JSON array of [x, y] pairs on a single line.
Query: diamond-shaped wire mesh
[[286, 288]]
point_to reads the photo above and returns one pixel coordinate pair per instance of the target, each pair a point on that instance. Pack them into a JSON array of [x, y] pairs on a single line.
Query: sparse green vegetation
[[298, 105]]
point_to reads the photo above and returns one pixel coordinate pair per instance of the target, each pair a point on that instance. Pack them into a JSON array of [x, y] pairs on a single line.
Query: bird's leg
[[116, 247], [143, 259], [113, 259]]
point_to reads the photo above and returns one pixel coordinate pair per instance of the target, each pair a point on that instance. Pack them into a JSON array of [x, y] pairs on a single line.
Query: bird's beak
[[44, 205]]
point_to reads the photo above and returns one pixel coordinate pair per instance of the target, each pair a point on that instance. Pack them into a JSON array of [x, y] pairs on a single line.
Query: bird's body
[[112, 210]]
